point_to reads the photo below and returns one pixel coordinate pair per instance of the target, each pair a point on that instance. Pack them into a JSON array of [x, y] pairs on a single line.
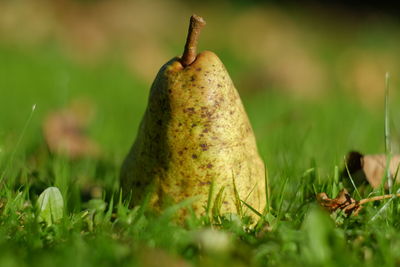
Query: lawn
[[302, 141]]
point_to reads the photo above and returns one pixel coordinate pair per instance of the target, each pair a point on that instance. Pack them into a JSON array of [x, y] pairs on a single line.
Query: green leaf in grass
[[50, 206]]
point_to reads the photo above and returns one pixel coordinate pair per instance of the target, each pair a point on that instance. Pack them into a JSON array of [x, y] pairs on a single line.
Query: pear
[[195, 140]]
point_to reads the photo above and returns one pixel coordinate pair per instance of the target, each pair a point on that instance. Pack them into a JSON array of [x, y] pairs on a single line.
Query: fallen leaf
[[346, 203], [343, 201], [370, 168], [64, 131]]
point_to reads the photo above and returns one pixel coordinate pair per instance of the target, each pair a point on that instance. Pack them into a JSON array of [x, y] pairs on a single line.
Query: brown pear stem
[[190, 52]]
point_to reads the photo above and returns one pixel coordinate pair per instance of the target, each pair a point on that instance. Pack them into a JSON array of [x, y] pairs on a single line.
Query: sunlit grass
[[302, 142]]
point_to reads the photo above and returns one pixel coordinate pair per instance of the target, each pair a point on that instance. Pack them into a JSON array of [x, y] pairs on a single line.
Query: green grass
[[302, 142]]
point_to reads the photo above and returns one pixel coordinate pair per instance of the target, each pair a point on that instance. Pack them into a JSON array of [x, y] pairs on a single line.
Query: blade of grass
[[267, 191], [210, 195], [237, 197], [388, 151], [351, 178], [218, 202], [281, 194], [10, 161], [252, 209]]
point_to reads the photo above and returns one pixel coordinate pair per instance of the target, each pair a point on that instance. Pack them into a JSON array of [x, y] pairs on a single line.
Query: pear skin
[[195, 133]]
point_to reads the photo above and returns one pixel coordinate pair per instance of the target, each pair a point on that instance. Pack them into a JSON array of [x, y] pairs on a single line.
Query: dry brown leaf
[[370, 168], [346, 203], [343, 201], [64, 131]]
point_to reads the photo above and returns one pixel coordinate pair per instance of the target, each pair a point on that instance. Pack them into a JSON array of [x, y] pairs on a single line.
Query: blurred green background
[[311, 75]]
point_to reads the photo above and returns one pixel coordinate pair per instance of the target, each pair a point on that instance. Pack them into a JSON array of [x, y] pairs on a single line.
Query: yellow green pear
[[195, 138]]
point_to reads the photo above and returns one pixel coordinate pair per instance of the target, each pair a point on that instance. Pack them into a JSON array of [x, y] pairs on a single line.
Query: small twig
[[377, 198], [190, 52]]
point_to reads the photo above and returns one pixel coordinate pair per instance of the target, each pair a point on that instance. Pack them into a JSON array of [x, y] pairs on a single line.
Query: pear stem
[[190, 52]]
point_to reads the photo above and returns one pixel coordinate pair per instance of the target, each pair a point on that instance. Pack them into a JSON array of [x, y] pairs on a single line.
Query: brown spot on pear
[[156, 156]]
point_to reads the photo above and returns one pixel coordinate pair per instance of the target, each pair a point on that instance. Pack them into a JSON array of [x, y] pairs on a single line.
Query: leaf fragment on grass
[[343, 201], [346, 203], [50, 205], [371, 168]]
